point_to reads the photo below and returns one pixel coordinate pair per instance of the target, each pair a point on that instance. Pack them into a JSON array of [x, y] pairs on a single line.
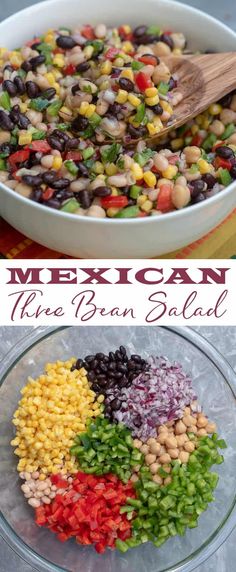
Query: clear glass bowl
[[215, 384]]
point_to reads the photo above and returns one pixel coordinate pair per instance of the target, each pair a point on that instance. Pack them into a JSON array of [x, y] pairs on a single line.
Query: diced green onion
[[128, 212], [54, 107], [163, 88], [88, 152], [39, 103], [229, 130], [225, 177], [71, 167], [136, 66], [5, 101], [70, 206], [3, 165]]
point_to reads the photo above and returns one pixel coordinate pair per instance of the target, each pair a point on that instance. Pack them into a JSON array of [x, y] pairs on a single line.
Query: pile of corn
[[53, 410]]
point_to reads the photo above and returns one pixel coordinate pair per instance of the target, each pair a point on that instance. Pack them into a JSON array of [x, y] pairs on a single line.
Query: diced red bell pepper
[[62, 536], [164, 202], [73, 155], [197, 140], [111, 53], [58, 51], [116, 202], [220, 162], [148, 60], [34, 41], [57, 479], [87, 32], [143, 81], [19, 157], [70, 69], [48, 194], [40, 146]]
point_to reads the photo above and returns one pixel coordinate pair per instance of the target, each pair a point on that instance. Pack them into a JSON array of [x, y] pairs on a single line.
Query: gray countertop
[[224, 339]]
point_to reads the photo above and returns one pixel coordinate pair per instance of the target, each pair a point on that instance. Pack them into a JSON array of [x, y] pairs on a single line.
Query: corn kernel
[[150, 178], [59, 60], [122, 96], [127, 47], [114, 192], [126, 28], [151, 92], [25, 137], [147, 206], [153, 129], [66, 110], [57, 74], [134, 100], [98, 168], [141, 200], [90, 111], [215, 109], [166, 106], [16, 59], [2, 51], [50, 78], [118, 62], [106, 68], [177, 143], [88, 52], [84, 106], [57, 163], [152, 100], [137, 171], [170, 172], [204, 166], [111, 169], [177, 52], [127, 73], [194, 129]]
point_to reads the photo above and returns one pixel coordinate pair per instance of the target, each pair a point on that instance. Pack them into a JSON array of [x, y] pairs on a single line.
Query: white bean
[[35, 503], [46, 500], [100, 31], [117, 180], [96, 211], [5, 136], [79, 185]]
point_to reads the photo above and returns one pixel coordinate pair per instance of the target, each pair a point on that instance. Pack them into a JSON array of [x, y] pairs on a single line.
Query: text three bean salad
[[115, 450], [76, 109]]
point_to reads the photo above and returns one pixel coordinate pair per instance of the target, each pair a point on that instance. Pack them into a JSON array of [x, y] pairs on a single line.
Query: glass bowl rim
[[21, 348]]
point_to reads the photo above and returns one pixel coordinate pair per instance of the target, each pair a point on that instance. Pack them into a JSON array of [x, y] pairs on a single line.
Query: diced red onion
[[155, 397]]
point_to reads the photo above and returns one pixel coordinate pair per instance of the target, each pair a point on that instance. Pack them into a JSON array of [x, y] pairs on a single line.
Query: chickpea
[[162, 428], [167, 468], [151, 441], [210, 428], [232, 139], [181, 439], [150, 459], [187, 411], [144, 449], [201, 432], [96, 211], [184, 456], [134, 479], [217, 127], [174, 453], [137, 443], [189, 446], [171, 442], [192, 429], [165, 458], [192, 154], [180, 428], [167, 480], [161, 73], [162, 437], [155, 448], [158, 480], [154, 468], [188, 420], [170, 424], [201, 421], [23, 189], [137, 468], [179, 40], [180, 196], [227, 116], [161, 49]]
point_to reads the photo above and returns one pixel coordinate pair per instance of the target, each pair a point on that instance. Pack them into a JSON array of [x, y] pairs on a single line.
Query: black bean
[[26, 66], [37, 195], [48, 93], [32, 89], [96, 388], [112, 356], [15, 114], [122, 350], [224, 152], [209, 180], [61, 135], [199, 198], [136, 357], [233, 171], [166, 38], [37, 61], [8, 68], [147, 39], [5, 121], [103, 367], [83, 169], [126, 84], [10, 87], [85, 199], [131, 202], [49, 177], [23, 121], [122, 368], [75, 88], [172, 84], [139, 31], [79, 363], [118, 355], [80, 123], [101, 377], [226, 100], [7, 148], [91, 376], [66, 42], [32, 180], [197, 187], [112, 366], [60, 183], [53, 203], [115, 404], [100, 356], [72, 143], [84, 66], [89, 358], [115, 108], [94, 364], [56, 143], [102, 192], [137, 132]]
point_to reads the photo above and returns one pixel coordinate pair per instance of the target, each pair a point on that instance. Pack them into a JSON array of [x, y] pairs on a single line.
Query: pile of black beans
[[110, 374]]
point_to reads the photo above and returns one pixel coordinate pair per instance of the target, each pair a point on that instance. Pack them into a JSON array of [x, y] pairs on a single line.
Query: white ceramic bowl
[[103, 238]]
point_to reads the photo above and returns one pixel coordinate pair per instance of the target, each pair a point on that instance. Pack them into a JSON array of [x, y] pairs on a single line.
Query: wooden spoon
[[202, 79]]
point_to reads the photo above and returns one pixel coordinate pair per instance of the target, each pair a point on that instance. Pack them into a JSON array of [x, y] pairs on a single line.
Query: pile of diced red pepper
[[89, 510]]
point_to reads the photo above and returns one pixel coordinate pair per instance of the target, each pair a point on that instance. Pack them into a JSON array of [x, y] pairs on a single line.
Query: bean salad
[[76, 108], [115, 450]]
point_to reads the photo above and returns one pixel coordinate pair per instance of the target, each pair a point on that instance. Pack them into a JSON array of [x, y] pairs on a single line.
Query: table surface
[[225, 340]]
